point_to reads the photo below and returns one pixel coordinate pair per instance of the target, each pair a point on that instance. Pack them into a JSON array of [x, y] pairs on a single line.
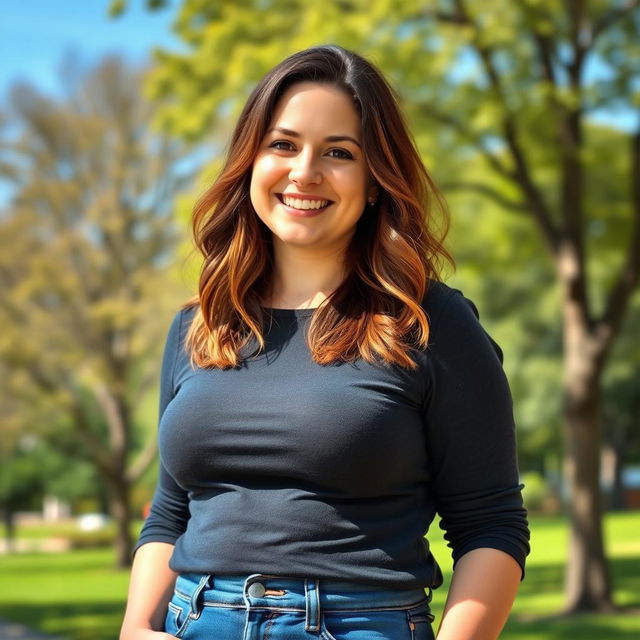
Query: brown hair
[[376, 312]]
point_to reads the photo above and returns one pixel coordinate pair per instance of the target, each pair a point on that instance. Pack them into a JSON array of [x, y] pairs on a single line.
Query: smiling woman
[[325, 394], [310, 180]]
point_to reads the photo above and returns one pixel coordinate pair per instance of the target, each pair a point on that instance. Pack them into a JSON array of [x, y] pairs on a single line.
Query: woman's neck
[[302, 281]]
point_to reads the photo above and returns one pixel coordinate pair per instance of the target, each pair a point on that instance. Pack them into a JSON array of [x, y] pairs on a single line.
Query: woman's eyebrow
[[295, 134]]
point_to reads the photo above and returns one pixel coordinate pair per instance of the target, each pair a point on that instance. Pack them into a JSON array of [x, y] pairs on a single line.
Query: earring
[[371, 201]]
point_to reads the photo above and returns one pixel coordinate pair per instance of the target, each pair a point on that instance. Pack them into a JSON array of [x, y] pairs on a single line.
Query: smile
[[303, 205]]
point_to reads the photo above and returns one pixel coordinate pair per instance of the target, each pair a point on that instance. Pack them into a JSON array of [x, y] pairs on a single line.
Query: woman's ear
[[372, 193]]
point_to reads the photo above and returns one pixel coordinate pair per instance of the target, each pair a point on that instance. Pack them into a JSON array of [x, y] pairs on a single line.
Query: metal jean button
[[256, 590]]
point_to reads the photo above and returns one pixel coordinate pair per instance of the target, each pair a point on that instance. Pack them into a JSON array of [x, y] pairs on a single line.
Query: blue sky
[[36, 34]]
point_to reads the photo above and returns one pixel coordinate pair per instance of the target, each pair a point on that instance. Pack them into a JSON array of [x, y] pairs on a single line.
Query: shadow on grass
[[580, 628], [547, 579], [541, 578], [86, 621]]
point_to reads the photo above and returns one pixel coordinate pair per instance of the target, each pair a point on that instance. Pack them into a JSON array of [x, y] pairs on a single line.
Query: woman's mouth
[[304, 207]]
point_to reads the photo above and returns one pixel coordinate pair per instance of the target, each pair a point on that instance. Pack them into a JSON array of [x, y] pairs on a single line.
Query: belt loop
[[196, 601], [247, 603], [312, 602]]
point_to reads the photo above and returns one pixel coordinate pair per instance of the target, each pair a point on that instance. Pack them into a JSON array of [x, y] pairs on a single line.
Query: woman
[[325, 395]]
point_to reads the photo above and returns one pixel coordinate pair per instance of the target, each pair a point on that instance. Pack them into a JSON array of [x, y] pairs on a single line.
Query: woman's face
[[310, 181]]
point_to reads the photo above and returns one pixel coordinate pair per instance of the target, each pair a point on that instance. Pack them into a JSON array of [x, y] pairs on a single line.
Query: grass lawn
[[78, 596]]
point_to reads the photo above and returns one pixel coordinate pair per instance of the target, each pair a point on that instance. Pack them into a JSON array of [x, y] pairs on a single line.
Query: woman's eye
[[341, 154], [285, 145], [282, 145]]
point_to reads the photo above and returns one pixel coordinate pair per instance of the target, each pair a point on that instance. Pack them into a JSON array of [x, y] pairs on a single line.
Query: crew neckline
[[290, 313]]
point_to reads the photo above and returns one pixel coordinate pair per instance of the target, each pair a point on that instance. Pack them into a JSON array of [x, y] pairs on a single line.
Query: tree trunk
[[587, 582], [119, 500]]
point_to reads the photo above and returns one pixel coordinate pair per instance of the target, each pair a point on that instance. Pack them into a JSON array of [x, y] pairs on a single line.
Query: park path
[[15, 631]]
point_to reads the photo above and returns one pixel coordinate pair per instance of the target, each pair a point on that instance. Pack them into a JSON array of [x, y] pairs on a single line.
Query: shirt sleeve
[[169, 512], [470, 432]]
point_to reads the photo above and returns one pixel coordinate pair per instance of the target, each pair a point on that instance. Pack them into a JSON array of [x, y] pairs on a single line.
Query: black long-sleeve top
[[286, 467]]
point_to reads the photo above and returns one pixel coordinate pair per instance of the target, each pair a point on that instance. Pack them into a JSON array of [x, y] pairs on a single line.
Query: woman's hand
[[144, 634], [150, 589]]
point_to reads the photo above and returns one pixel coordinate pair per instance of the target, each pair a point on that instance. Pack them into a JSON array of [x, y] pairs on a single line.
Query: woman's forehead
[[309, 107]]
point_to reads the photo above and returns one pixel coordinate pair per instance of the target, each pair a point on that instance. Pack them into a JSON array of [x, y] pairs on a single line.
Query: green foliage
[[91, 539], [116, 8], [20, 478], [36, 468], [119, 7], [535, 491]]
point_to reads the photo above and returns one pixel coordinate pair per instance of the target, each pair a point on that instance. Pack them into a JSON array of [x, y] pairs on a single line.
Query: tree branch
[[112, 412], [40, 378], [522, 175], [142, 462], [611, 17], [485, 190], [546, 51], [445, 17], [94, 444], [473, 137]]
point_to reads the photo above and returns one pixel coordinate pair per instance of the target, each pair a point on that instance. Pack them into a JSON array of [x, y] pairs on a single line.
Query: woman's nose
[[304, 169]]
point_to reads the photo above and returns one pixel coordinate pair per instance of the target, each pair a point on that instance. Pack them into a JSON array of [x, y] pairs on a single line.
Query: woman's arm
[[482, 591], [150, 589], [471, 448]]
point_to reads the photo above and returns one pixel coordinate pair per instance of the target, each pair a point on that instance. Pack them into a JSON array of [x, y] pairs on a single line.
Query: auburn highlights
[[376, 313]]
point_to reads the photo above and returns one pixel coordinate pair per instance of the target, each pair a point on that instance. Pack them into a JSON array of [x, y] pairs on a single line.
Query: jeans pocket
[[366, 625], [177, 618]]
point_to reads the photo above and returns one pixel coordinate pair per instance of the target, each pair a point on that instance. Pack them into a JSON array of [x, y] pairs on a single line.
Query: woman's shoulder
[[454, 322], [187, 311], [442, 300], [180, 323]]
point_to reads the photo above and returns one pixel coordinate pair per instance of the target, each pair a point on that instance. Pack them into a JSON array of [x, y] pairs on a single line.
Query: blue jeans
[[265, 607]]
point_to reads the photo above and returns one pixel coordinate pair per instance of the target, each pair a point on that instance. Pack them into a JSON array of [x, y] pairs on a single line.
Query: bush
[[91, 539], [535, 492]]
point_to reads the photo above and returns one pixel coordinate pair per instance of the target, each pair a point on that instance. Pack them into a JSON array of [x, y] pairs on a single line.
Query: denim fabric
[[265, 607]]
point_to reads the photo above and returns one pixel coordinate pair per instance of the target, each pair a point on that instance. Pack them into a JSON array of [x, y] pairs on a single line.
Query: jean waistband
[[266, 590]]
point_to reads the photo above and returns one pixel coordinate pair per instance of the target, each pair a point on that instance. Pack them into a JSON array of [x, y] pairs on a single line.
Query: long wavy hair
[[376, 313]]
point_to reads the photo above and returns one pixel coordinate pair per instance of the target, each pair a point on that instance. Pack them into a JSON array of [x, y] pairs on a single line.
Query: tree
[[20, 479], [39, 455], [511, 82], [85, 249]]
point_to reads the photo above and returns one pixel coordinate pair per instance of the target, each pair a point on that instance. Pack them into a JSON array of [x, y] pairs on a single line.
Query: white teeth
[[304, 204]]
